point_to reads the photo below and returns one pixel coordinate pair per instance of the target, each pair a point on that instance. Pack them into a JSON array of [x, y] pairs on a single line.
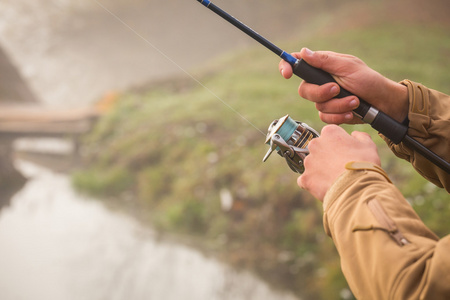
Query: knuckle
[[303, 181], [364, 136], [301, 90], [342, 106], [324, 93], [311, 147], [315, 93], [306, 91], [332, 118], [323, 58], [330, 129], [308, 165], [321, 106]]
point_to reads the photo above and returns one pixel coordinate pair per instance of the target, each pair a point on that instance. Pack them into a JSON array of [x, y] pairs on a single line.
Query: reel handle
[[383, 123]]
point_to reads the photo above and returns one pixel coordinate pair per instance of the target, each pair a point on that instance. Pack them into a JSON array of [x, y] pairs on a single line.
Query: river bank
[[193, 165], [60, 245], [11, 180], [177, 154]]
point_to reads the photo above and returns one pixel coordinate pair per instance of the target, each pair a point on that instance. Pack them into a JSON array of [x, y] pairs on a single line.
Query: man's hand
[[355, 76], [328, 155]]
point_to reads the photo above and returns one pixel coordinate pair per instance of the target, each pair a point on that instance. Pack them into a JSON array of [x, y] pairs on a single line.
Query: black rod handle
[[383, 123]]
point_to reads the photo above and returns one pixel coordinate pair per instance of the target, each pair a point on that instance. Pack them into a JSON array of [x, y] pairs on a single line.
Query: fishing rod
[[384, 124]]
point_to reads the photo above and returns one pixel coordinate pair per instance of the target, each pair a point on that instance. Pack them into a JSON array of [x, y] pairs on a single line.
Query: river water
[[58, 245]]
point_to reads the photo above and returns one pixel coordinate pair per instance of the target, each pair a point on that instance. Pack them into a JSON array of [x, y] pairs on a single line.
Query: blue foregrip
[[205, 2], [289, 58]]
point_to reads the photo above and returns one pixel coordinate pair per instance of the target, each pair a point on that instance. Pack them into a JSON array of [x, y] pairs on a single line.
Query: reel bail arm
[[290, 139]]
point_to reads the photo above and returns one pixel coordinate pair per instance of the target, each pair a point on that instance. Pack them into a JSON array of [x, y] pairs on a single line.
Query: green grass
[[176, 150]]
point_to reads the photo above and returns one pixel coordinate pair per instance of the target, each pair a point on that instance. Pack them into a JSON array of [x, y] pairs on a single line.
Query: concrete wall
[[13, 88]]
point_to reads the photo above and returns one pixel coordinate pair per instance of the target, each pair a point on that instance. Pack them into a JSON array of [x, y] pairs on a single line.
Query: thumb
[[361, 136], [328, 61]]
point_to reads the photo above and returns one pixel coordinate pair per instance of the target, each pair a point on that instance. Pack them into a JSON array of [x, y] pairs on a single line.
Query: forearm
[[386, 251], [429, 123]]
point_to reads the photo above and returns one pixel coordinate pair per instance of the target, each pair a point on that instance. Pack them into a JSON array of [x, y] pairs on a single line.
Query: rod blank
[[380, 121]]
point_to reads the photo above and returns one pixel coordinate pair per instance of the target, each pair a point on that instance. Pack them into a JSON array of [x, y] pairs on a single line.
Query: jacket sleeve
[[429, 124], [386, 251]]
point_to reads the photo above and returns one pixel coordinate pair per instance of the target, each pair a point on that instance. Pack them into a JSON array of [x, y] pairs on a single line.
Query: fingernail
[[282, 74], [348, 116], [334, 90], [353, 103], [309, 52]]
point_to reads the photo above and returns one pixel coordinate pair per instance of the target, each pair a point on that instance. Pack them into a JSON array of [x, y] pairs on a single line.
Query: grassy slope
[[175, 147]]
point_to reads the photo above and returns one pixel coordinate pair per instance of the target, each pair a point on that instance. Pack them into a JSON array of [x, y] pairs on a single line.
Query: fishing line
[[177, 65], [395, 131]]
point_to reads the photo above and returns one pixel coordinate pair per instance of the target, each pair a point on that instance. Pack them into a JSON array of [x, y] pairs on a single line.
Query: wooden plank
[[16, 114], [38, 128]]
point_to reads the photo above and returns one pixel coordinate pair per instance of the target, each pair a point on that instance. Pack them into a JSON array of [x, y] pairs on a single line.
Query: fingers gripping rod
[[383, 123]]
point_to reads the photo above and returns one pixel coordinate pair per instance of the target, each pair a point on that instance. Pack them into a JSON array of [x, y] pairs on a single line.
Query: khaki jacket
[[386, 251]]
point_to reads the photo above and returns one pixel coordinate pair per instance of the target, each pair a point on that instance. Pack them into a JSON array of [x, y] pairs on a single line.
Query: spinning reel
[[290, 139]]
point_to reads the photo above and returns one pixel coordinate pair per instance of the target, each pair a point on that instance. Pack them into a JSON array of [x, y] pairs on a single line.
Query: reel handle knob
[[290, 139]]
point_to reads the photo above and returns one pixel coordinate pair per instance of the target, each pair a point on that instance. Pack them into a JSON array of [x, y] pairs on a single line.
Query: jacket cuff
[[419, 109], [354, 171], [429, 120]]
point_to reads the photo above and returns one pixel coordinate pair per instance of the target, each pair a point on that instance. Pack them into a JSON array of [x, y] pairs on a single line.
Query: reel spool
[[290, 139]]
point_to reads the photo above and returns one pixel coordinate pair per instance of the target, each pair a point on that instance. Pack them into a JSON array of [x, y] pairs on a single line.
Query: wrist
[[396, 102]]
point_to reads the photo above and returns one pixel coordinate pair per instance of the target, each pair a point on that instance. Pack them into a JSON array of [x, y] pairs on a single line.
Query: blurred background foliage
[[189, 163]]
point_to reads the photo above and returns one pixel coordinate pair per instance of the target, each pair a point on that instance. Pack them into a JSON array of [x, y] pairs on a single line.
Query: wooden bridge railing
[[34, 122]]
